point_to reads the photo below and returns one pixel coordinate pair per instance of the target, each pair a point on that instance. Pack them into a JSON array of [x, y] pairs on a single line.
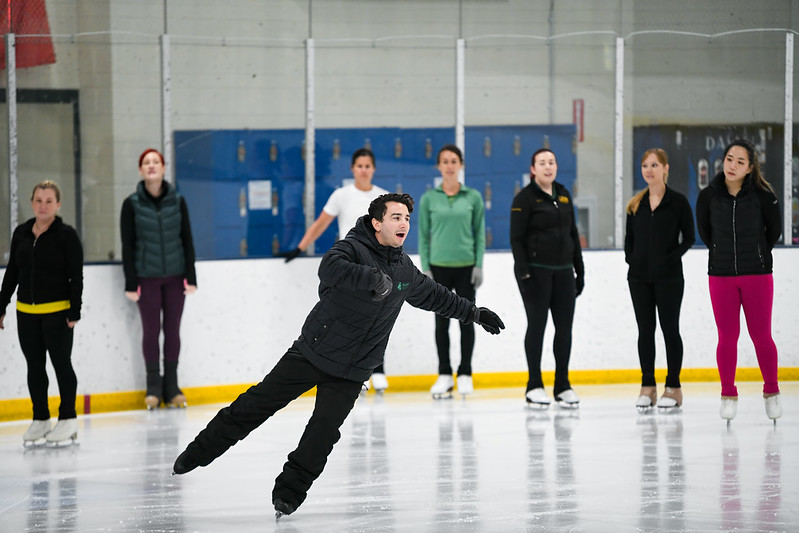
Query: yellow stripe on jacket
[[43, 309]]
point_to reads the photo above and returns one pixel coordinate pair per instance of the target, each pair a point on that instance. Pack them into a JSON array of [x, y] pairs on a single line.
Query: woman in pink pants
[[738, 218]]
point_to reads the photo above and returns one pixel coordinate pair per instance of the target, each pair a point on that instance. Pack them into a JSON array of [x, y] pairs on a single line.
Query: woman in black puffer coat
[[738, 218]]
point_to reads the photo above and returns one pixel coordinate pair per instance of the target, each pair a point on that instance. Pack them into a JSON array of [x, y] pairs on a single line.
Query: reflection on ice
[[408, 463]]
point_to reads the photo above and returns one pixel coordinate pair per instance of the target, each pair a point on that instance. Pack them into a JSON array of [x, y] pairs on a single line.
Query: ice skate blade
[[442, 395], [62, 443], [670, 410], [278, 514], [38, 443], [177, 405], [536, 406], [645, 410], [569, 406]]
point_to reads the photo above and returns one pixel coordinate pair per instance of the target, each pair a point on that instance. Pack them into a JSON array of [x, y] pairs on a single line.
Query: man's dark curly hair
[[377, 209]]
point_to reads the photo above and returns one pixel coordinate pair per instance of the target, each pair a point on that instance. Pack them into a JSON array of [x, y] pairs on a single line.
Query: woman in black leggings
[[45, 267], [660, 229], [548, 264]]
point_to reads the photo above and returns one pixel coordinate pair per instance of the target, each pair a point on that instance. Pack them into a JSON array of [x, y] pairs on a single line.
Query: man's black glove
[[291, 254], [383, 287], [488, 319], [579, 282]]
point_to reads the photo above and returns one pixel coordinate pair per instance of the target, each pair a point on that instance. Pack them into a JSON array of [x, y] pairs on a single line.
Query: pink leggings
[[756, 294]]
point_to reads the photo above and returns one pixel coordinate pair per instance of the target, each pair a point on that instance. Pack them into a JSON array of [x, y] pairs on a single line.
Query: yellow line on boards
[[20, 408]]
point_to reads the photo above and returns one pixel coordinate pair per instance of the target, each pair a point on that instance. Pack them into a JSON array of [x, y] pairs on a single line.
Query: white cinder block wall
[[247, 312]]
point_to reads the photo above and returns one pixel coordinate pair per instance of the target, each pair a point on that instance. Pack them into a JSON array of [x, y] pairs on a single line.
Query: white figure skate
[[537, 399], [465, 385], [729, 408], [671, 401], [379, 382], [646, 400], [442, 388], [36, 433], [64, 432], [568, 400], [773, 407]]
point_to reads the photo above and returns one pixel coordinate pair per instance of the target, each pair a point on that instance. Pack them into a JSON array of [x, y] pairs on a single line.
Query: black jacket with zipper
[[543, 231], [740, 231], [346, 332], [656, 240], [46, 269]]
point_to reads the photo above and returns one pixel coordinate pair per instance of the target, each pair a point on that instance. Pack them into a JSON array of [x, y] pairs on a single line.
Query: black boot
[[173, 396], [154, 385], [283, 508], [184, 463]]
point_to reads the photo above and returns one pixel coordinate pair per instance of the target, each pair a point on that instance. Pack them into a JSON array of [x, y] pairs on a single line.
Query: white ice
[[408, 463]]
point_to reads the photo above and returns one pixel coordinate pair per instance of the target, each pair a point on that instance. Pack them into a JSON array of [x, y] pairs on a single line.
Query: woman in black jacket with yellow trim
[[548, 263], [660, 229], [46, 263]]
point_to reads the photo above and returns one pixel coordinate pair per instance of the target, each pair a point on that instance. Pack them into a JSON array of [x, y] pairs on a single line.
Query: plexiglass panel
[[99, 81]]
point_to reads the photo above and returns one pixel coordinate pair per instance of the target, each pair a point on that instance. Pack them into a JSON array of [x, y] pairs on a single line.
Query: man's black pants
[[292, 376]]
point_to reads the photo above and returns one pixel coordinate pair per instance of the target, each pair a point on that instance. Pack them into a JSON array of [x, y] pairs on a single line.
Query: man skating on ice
[[364, 280]]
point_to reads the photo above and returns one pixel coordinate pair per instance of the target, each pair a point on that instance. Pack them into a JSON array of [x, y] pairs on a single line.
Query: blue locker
[[213, 170]]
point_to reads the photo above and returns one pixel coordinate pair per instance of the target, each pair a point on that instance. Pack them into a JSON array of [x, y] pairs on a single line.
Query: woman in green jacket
[[451, 246]]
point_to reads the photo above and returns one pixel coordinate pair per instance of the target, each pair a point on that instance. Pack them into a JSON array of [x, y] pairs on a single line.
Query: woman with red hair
[[158, 260]]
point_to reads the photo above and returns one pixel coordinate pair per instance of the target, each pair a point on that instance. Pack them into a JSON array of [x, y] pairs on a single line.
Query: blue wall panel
[[213, 169]]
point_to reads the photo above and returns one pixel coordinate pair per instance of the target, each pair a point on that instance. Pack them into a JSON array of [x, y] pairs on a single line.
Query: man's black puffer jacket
[[346, 332]]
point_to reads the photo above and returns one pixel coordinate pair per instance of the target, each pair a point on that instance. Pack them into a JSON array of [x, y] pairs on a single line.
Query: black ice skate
[[184, 464], [282, 508]]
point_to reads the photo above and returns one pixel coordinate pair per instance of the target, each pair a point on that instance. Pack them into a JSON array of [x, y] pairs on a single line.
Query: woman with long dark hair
[[738, 218]]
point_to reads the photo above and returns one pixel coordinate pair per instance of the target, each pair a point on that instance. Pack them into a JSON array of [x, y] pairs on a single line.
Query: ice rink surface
[[408, 463]]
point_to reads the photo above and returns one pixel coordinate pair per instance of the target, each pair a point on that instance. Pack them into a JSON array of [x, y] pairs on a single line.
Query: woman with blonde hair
[[45, 266], [660, 229]]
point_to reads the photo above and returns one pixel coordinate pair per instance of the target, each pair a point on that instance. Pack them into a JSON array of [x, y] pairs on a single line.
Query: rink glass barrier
[[225, 90]]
